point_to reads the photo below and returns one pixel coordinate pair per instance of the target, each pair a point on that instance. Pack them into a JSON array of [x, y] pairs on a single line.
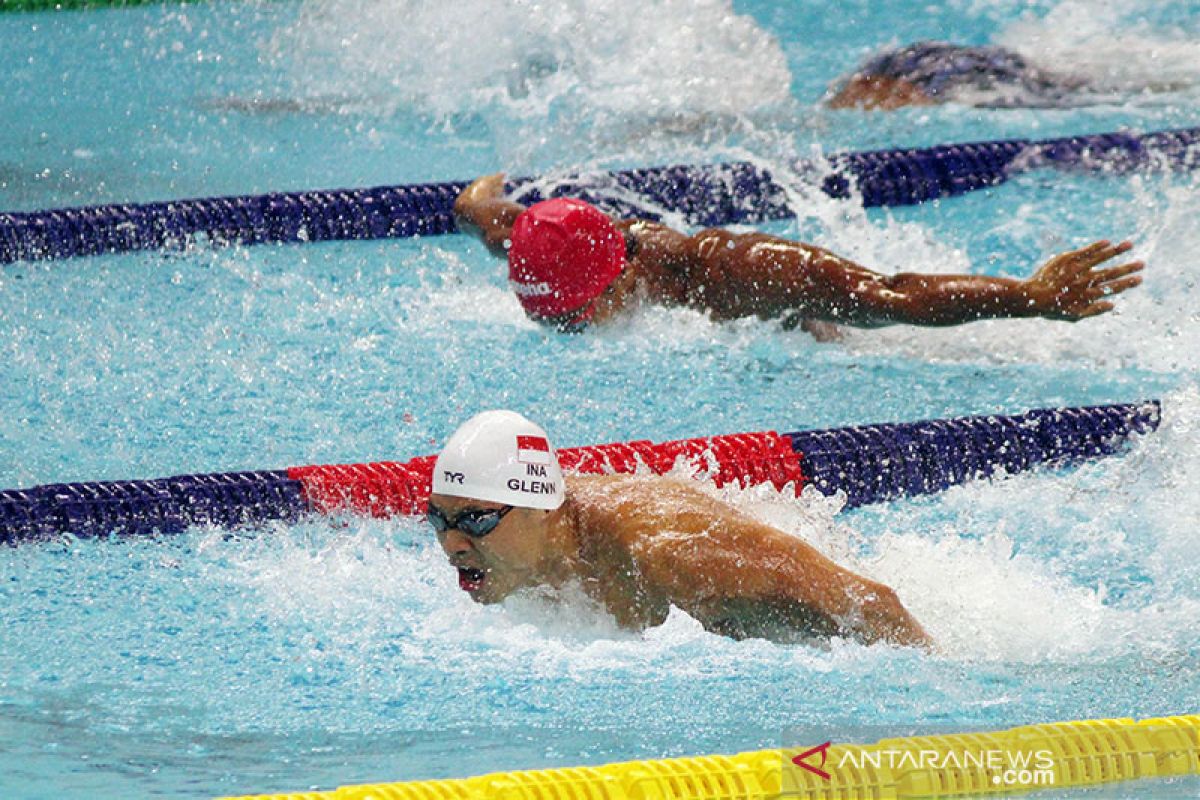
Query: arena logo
[[1008, 768], [540, 289]]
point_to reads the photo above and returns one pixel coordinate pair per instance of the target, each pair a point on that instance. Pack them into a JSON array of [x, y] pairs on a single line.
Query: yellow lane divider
[[1054, 755]]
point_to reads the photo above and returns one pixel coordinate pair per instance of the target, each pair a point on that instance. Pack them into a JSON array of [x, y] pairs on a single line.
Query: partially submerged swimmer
[[571, 266], [926, 73], [638, 545], [989, 76]]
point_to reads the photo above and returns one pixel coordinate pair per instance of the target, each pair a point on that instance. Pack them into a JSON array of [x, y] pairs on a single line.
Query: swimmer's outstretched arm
[[482, 211], [776, 276], [1068, 287], [731, 565]]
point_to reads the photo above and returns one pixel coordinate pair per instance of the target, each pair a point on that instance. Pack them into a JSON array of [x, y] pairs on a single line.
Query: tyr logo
[[823, 749], [454, 477]]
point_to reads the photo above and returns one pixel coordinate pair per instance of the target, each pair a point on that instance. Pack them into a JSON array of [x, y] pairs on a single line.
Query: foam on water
[[1121, 45], [551, 70], [1094, 563]]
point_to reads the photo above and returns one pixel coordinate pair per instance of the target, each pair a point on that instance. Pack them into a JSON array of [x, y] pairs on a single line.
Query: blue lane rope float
[[717, 194], [871, 463]]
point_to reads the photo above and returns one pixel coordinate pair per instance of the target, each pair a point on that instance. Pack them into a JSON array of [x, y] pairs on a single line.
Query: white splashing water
[[695, 57], [962, 574], [982, 596], [1111, 42]]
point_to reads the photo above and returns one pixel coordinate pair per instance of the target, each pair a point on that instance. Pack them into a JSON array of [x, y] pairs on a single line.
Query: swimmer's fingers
[[1095, 254], [1094, 310], [1066, 266], [1115, 287], [1102, 276], [1080, 302]]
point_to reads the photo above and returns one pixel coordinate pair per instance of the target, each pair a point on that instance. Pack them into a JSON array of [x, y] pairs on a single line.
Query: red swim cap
[[564, 254]]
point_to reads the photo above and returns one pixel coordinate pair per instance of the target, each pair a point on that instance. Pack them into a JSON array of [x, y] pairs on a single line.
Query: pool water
[[341, 650]]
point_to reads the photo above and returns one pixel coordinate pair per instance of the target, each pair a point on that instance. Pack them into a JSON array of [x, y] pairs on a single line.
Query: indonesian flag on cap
[[533, 450]]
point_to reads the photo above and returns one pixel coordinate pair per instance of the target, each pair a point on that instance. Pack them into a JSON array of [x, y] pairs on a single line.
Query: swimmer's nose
[[455, 542]]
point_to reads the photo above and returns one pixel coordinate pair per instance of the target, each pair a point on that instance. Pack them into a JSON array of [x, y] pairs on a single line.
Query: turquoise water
[[341, 651]]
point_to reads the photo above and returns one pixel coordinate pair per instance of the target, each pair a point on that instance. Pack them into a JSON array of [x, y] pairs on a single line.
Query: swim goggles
[[474, 522]]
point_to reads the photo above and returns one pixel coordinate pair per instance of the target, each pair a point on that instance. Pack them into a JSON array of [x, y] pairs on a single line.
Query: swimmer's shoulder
[[655, 240], [665, 258], [608, 512], [613, 493], [643, 502]]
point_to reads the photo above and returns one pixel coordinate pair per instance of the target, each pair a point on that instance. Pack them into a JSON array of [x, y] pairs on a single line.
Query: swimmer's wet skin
[[571, 266], [638, 545], [926, 73]]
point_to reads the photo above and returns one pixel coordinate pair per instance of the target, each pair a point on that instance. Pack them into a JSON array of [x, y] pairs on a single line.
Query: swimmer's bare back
[[651, 543]]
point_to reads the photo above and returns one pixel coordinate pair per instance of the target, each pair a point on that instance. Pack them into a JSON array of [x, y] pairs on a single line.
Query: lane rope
[[707, 195], [1057, 755], [869, 463], [77, 5]]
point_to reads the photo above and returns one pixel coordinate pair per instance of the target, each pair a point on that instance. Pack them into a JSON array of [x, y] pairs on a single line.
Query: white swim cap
[[501, 457]]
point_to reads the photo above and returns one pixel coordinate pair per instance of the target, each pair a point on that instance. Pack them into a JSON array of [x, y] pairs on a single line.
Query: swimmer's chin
[[486, 588]]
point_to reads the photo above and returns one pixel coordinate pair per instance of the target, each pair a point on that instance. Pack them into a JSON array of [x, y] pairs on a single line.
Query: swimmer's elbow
[[888, 620]]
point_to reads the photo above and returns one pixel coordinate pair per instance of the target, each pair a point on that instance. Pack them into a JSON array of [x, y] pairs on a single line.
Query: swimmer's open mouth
[[470, 579]]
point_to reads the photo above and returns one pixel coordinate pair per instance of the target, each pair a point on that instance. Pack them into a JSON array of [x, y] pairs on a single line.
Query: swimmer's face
[[615, 297], [618, 296], [492, 566]]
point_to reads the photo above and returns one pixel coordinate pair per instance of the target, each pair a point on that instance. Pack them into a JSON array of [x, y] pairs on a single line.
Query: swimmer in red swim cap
[[571, 266], [564, 254]]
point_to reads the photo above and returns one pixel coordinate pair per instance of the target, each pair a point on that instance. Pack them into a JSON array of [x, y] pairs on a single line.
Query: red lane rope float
[[387, 488], [379, 489]]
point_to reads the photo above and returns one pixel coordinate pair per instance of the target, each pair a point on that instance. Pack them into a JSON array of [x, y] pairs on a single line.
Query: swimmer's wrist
[[1029, 300]]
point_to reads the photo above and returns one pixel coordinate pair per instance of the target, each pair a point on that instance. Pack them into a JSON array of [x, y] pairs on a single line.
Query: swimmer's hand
[[822, 331], [486, 186], [1070, 287], [482, 211]]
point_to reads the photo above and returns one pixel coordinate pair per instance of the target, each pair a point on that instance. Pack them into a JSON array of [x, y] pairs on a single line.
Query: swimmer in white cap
[[571, 266], [638, 545]]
